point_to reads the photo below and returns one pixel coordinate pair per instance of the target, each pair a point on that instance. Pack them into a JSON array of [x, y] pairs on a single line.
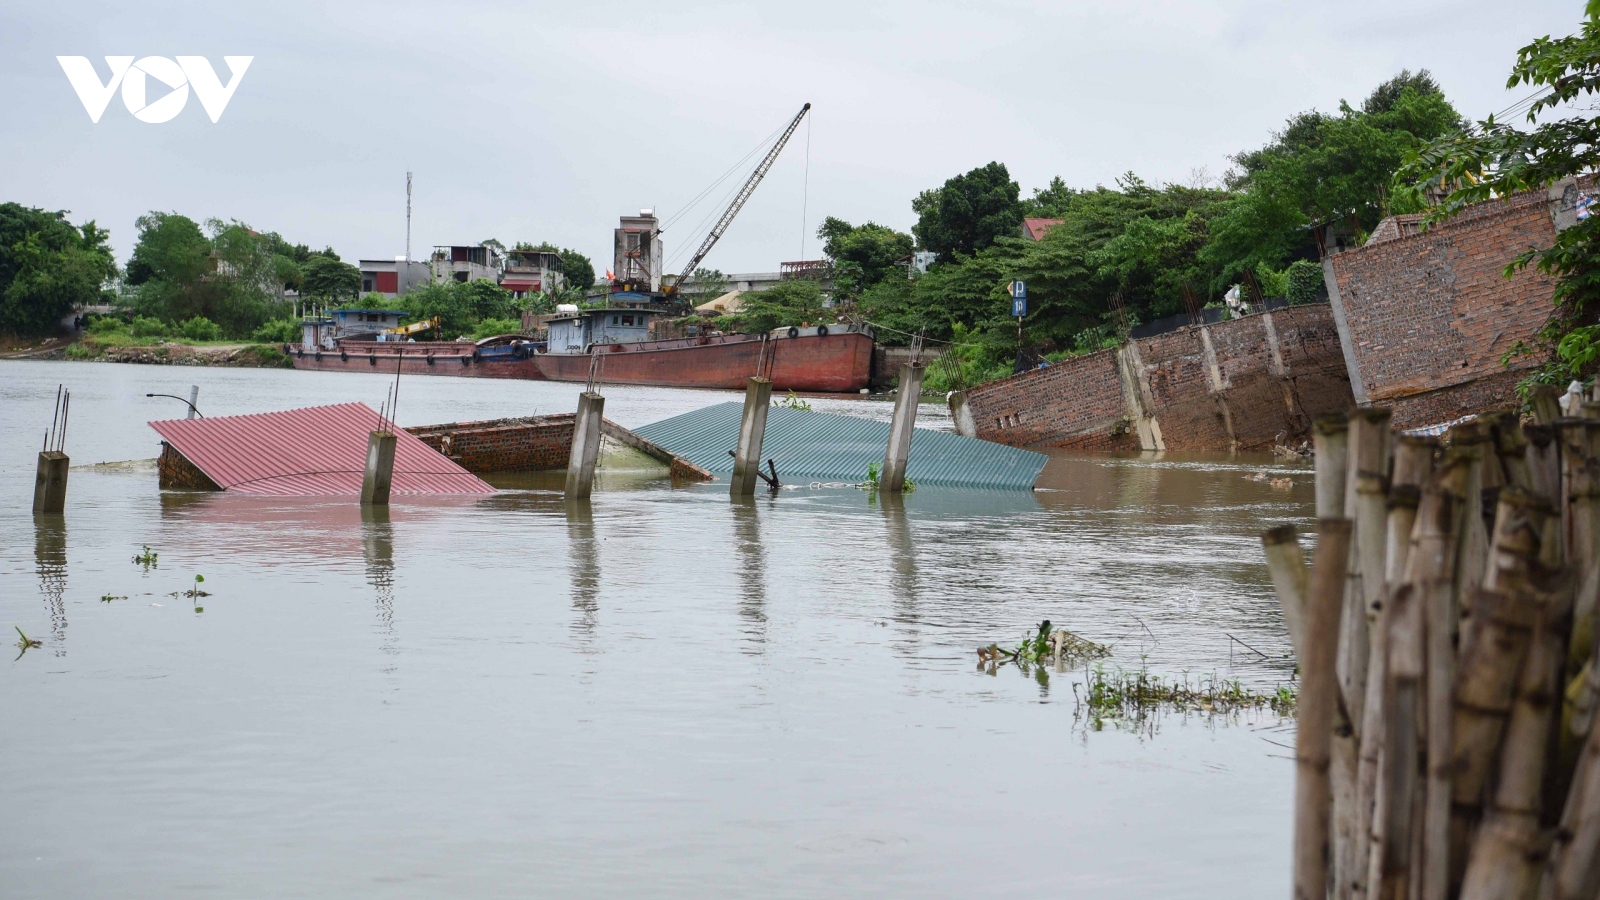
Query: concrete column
[[379, 473], [50, 487], [194, 400], [892, 479], [961, 414], [752, 429], [585, 445]]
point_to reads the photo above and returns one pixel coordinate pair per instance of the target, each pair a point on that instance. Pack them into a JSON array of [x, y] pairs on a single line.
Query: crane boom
[[739, 200]]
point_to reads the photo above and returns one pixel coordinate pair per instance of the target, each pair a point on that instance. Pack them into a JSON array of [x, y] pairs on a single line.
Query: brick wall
[[1427, 315], [1245, 384], [528, 444], [176, 472]]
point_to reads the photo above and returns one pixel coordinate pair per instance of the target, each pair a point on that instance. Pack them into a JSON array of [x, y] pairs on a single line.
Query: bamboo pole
[[1330, 446], [1360, 648], [1286, 563], [1435, 553], [1402, 744], [1507, 852], [1411, 464], [1485, 682], [1319, 690], [1575, 859], [1511, 450]]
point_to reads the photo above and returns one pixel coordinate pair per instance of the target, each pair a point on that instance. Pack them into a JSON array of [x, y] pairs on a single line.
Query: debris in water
[[147, 559], [1058, 645], [26, 642], [107, 598], [1132, 697]]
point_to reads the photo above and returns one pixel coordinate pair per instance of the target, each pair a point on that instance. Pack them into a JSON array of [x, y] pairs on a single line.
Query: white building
[[466, 263], [638, 258], [394, 278], [532, 272]]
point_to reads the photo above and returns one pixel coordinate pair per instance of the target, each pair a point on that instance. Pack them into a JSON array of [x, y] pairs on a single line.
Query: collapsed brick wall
[[177, 473], [1245, 384], [528, 444], [1427, 315], [1076, 403]]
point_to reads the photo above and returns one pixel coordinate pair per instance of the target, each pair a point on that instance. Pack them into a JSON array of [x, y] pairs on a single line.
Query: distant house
[[392, 278], [532, 272], [638, 258], [466, 263], [1034, 228]]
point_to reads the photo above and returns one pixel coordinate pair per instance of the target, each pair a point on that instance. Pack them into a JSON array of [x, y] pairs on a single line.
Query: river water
[[662, 694]]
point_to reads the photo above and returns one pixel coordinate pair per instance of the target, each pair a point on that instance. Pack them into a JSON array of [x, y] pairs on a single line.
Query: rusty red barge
[[833, 358]]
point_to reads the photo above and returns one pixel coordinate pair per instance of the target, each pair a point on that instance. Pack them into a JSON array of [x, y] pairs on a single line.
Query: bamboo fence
[[1445, 630]]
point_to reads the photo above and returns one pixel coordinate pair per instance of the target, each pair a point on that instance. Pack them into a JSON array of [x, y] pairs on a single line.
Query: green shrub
[[84, 350], [492, 327], [144, 326], [1305, 282], [201, 328], [277, 331], [109, 325]]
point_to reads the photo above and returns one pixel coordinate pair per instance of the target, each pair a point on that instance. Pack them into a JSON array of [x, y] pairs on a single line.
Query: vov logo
[[134, 78]]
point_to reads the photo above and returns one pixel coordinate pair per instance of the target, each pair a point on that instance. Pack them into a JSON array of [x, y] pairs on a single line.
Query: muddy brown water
[[660, 694]]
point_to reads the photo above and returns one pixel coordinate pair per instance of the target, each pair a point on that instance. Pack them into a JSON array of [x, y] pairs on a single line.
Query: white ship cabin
[[578, 331], [349, 324]]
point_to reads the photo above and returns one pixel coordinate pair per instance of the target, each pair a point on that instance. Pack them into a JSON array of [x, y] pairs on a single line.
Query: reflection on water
[[488, 742], [50, 561], [584, 571], [752, 570], [377, 545]]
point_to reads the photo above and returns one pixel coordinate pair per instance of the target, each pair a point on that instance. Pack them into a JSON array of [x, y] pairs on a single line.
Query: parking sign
[[1019, 298]]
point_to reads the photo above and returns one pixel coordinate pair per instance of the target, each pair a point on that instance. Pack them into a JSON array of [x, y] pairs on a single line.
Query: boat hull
[[833, 363]]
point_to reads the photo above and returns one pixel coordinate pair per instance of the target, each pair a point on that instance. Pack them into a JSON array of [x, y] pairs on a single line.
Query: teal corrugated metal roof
[[828, 447]]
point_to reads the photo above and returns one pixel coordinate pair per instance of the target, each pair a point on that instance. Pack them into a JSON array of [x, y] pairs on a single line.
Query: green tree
[[862, 255], [326, 278], [1492, 159], [968, 213], [48, 266], [796, 302]]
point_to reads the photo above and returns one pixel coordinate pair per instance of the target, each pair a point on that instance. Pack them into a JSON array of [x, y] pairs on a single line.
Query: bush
[[145, 326], [492, 327], [107, 325], [1305, 282], [277, 331], [85, 350], [201, 328]]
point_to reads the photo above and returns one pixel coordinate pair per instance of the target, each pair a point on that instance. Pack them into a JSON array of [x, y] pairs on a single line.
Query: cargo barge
[[833, 358]]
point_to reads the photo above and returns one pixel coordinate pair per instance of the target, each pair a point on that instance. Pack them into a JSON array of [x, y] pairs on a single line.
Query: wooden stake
[[1317, 709], [1575, 859], [1507, 852], [1402, 746], [1330, 446], [1286, 563]]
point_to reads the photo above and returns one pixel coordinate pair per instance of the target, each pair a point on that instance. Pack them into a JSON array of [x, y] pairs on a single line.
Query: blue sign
[[1019, 306], [1019, 289]]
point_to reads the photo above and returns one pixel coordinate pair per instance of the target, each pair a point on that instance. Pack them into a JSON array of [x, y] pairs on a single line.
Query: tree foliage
[[1491, 159], [460, 306], [968, 213], [48, 266], [862, 255], [787, 303]]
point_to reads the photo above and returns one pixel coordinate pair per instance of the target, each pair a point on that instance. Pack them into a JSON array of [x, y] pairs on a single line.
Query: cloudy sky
[[538, 122]]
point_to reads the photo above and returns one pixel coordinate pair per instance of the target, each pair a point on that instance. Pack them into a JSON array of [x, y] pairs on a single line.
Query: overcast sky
[[547, 121]]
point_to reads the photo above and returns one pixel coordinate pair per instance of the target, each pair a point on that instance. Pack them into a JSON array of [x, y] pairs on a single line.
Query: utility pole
[[408, 217]]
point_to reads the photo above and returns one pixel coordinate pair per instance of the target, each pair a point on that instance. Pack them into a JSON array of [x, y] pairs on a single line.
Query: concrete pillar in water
[[892, 478], [585, 444], [752, 429], [379, 473], [961, 414], [50, 488]]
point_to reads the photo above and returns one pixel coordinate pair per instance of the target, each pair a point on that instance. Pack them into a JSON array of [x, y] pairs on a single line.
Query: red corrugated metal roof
[[318, 451]]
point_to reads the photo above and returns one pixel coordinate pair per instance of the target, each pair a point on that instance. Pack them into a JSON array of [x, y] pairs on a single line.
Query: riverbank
[[148, 351]]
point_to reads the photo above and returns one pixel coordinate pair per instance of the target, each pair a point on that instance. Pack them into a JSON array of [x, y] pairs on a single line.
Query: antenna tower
[[408, 217]]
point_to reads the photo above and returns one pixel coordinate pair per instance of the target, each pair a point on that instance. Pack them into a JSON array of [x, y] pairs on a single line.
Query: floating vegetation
[[147, 558], [872, 482], [193, 594], [107, 598], [27, 642], [792, 401], [1133, 697], [1057, 645]]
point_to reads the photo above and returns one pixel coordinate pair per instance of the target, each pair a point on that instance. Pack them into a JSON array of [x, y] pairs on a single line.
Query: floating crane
[[738, 203]]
